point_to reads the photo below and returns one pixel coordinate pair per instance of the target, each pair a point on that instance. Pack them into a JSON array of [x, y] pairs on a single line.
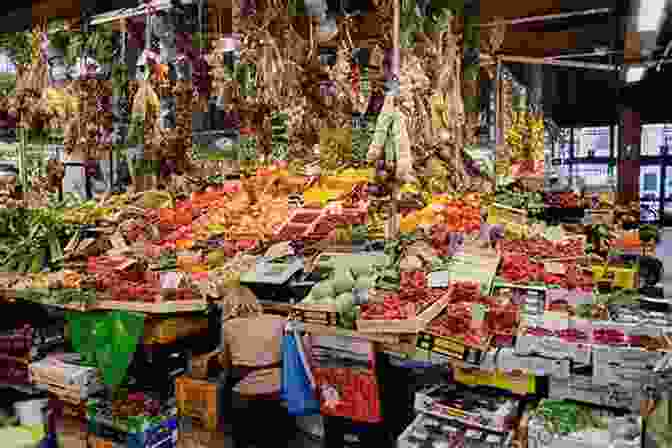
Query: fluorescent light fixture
[[634, 74], [650, 15]]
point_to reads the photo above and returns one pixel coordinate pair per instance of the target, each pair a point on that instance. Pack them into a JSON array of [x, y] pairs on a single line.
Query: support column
[[628, 156]]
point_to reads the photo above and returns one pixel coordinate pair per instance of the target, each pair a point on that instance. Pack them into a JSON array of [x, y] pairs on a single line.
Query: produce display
[[538, 247], [533, 202], [568, 199], [340, 290], [328, 158]]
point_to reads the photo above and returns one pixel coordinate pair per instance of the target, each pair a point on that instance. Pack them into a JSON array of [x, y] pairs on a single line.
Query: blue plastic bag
[[295, 388]]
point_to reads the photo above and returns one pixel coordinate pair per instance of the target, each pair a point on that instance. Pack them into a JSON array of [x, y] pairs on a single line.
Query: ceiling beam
[[491, 10], [539, 44], [548, 17], [56, 8]]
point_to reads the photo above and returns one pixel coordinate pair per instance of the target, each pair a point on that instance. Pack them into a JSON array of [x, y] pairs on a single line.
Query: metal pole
[[396, 191], [548, 17], [586, 55], [560, 63]]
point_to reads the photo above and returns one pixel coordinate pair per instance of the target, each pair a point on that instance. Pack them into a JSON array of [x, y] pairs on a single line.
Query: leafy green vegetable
[[29, 237]]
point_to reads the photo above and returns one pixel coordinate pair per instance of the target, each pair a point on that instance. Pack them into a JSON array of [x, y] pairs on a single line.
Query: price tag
[[555, 268], [170, 280], [439, 279], [478, 314]]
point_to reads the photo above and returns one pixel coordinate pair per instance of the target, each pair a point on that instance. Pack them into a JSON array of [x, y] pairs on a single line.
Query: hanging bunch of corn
[[516, 135], [536, 136], [525, 138]]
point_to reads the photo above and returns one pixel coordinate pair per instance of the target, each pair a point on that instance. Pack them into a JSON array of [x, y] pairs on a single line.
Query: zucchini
[[37, 261], [55, 249]]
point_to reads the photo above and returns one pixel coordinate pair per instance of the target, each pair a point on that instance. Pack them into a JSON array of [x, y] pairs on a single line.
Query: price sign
[[555, 268]]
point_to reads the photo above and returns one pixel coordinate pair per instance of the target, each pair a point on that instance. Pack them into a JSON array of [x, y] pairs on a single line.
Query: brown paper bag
[[254, 341]]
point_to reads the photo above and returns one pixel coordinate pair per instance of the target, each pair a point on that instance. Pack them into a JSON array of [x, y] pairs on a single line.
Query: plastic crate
[[626, 278]]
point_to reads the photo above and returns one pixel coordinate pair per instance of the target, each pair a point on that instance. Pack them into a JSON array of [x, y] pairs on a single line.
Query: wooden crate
[[602, 217], [407, 345], [198, 399], [404, 326], [315, 313]]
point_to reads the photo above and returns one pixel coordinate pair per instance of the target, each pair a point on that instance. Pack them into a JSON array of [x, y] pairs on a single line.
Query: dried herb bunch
[[432, 96]]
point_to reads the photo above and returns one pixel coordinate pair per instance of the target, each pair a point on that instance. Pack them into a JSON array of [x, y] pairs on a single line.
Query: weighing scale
[[270, 280], [650, 275]]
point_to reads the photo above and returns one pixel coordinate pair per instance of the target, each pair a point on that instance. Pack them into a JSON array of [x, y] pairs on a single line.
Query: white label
[[439, 279], [555, 268], [170, 280]]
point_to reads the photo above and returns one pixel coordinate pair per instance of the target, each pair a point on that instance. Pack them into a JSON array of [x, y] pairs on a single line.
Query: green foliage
[[280, 136], [7, 84], [18, 46], [31, 237], [411, 22], [100, 41], [200, 40], [296, 8]]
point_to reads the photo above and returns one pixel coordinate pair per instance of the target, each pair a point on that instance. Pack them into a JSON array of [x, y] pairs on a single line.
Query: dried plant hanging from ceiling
[[432, 97], [289, 78]]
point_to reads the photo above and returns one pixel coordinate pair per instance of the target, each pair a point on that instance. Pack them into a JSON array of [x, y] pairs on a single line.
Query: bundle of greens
[[563, 417], [31, 240], [280, 137], [63, 296], [533, 202]]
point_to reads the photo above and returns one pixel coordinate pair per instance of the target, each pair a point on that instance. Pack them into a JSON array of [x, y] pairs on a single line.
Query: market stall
[[428, 292]]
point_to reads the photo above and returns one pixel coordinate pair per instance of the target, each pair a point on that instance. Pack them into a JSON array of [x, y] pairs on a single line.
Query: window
[[650, 182], [653, 138], [593, 142], [593, 173], [564, 144]]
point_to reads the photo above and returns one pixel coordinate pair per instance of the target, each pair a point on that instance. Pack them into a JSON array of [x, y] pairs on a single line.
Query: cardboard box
[[531, 299], [430, 401], [449, 430], [539, 437], [583, 389], [508, 361], [630, 367], [554, 348]]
